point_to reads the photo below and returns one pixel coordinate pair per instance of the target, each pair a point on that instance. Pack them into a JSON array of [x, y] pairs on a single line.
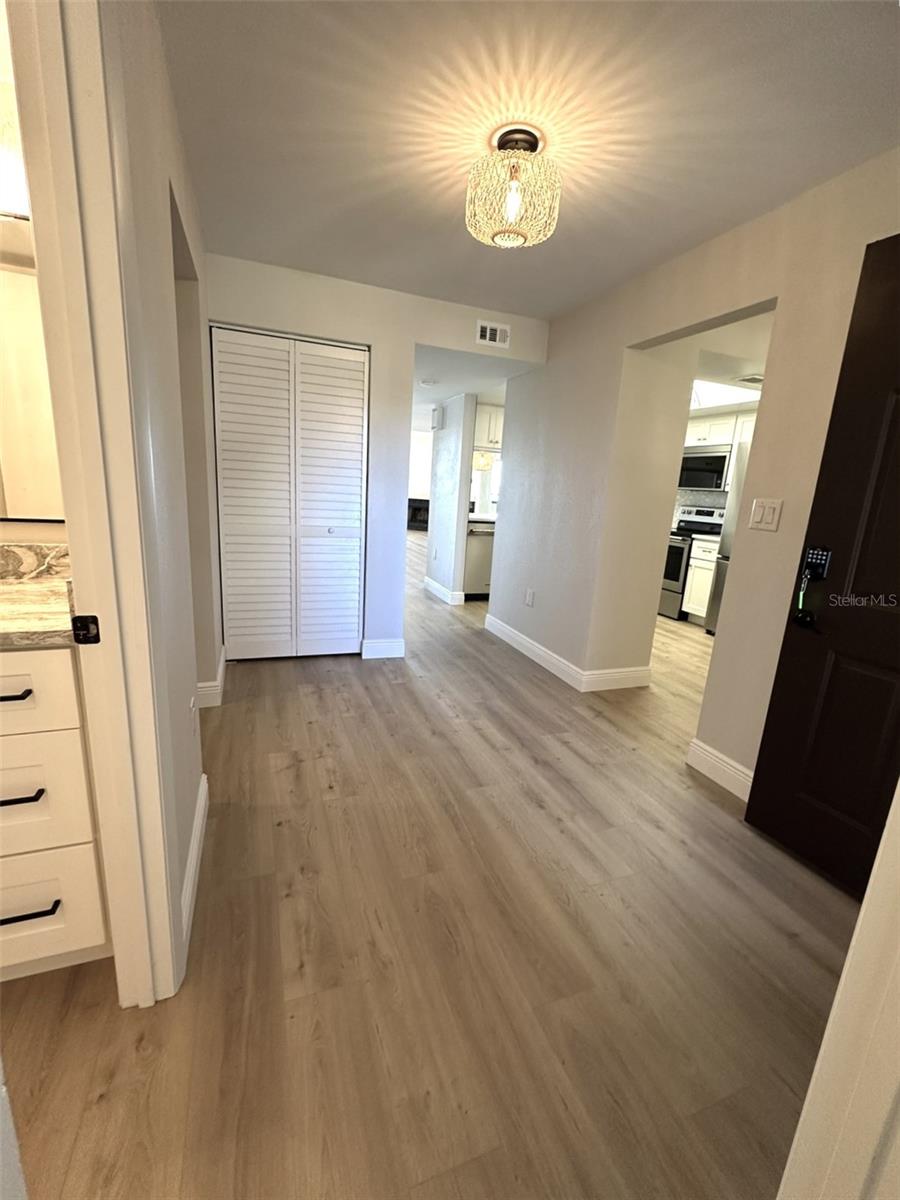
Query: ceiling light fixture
[[513, 194]]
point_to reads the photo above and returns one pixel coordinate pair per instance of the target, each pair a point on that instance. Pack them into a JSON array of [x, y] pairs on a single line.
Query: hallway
[[463, 933]]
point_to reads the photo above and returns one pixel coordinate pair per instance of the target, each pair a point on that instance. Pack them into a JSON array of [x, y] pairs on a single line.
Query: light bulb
[[513, 204]]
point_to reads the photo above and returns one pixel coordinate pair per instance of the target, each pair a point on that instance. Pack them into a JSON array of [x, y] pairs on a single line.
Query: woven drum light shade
[[513, 198]]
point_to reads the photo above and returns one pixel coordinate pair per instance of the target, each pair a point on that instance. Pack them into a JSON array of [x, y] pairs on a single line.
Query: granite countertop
[[35, 614]]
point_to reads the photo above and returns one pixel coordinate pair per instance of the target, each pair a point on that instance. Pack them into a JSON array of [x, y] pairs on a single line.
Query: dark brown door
[[830, 751]]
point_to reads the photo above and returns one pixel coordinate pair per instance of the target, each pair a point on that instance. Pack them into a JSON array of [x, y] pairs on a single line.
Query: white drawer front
[[43, 792], [32, 884], [704, 552], [39, 692]]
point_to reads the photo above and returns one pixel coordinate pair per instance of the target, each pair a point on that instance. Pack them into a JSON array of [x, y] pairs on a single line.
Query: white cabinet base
[[697, 589], [55, 962]]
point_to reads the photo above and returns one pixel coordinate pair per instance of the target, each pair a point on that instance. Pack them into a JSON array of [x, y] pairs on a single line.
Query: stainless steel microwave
[[704, 467]]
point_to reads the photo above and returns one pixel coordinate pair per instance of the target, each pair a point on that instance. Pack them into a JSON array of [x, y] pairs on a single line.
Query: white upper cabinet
[[743, 432], [710, 431], [746, 423], [488, 427]]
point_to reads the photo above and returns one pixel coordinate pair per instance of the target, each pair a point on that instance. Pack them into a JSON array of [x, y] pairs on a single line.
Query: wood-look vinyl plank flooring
[[462, 933]]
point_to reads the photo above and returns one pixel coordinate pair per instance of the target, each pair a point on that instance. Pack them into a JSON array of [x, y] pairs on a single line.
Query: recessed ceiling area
[[451, 373], [733, 351], [336, 137]]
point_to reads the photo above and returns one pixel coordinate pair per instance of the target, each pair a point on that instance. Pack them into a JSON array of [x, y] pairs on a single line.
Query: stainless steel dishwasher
[[479, 555]]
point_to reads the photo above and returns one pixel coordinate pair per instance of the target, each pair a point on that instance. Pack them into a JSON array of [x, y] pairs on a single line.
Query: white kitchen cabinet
[[488, 427], [710, 431], [50, 888], [743, 431], [701, 568], [698, 587]]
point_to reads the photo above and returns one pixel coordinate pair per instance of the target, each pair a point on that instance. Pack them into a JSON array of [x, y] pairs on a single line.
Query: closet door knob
[[331, 529]]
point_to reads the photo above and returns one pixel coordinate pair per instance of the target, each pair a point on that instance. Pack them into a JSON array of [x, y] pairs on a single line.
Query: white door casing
[[59, 80]]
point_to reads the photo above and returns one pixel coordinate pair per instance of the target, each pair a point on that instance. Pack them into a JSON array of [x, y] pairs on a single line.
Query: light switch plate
[[766, 515]]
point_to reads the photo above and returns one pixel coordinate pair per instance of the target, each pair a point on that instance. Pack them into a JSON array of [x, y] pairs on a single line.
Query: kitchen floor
[[682, 650], [462, 933]]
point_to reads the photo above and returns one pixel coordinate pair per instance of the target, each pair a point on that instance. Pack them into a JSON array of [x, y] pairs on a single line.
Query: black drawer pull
[[44, 912], [23, 799], [21, 696]]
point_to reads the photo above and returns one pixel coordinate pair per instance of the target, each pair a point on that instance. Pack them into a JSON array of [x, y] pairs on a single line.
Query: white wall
[[447, 513], [149, 170], [277, 298], [579, 449], [420, 447], [29, 467]]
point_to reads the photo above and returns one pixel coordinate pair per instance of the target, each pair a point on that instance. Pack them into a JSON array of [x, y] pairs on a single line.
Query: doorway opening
[[455, 478], [189, 333], [722, 371]]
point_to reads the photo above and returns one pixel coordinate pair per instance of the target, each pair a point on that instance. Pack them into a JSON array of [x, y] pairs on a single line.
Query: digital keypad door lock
[[816, 561]]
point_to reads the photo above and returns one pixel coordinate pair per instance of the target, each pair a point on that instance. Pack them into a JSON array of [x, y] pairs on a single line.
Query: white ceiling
[[729, 351], [336, 137], [456, 372]]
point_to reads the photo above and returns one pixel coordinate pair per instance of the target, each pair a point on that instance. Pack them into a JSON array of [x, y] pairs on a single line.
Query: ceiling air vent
[[753, 380], [488, 334]]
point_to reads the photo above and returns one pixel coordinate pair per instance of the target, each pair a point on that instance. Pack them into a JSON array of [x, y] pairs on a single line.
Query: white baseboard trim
[[195, 850], [731, 775], [384, 648], [610, 679], [582, 681], [209, 694], [442, 593]]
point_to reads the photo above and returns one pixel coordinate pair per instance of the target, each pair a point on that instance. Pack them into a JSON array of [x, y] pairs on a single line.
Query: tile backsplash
[[698, 499]]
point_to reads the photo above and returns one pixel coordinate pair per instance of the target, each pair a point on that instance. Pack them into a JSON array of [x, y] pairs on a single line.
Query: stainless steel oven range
[[689, 520], [674, 576]]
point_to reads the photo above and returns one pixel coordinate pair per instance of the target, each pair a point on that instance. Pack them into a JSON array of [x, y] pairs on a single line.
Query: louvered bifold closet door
[[332, 387], [255, 436]]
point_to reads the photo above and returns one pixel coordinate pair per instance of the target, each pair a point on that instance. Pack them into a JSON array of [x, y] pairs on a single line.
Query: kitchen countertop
[[35, 614]]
